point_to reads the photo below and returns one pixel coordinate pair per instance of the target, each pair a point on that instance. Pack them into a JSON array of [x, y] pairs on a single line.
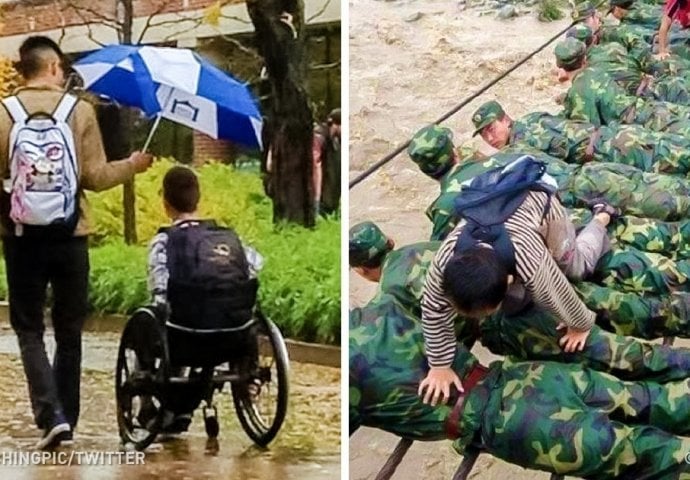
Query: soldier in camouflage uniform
[[579, 142], [432, 150], [632, 12], [595, 98], [400, 274], [541, 415], [635, 74]]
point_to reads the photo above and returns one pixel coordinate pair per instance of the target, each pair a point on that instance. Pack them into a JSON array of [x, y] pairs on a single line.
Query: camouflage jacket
[[644, 15], [387, 363], [403, 273]]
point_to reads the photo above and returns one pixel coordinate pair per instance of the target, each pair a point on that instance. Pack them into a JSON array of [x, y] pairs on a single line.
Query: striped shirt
[[535, 267]]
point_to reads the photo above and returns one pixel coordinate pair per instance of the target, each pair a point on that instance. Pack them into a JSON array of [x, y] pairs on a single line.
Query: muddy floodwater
[[411, 61], [307, 448]]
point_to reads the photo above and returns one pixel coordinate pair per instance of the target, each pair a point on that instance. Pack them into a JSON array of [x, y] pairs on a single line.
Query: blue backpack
[[489, 199]]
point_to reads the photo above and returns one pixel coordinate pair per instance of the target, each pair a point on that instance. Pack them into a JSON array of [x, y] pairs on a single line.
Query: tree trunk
[[282, 48], [128, 190]]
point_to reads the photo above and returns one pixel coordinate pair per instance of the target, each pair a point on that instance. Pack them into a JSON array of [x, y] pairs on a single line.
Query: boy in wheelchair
[[204, 281]]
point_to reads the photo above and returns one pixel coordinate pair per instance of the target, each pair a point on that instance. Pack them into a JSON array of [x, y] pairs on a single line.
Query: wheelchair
[[153, 373]]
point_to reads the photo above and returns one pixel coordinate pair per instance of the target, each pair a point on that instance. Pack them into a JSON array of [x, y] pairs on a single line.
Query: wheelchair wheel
[[141, 378], [261, 397]]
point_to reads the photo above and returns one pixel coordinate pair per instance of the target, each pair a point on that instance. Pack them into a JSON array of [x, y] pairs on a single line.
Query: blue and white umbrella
[[176, 84]]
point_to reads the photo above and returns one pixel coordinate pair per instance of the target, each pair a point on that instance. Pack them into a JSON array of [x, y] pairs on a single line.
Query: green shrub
[[118, 278], [550, 10]]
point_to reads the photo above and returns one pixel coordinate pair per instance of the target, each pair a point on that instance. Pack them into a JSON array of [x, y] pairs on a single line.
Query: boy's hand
[[437, 383], [141, 161], [573, 340]]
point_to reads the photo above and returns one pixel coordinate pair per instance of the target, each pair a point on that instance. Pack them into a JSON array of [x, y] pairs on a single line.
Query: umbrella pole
[[153, 130]]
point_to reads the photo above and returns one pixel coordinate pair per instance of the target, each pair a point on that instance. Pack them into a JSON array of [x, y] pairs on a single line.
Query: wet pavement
[[308, 446]]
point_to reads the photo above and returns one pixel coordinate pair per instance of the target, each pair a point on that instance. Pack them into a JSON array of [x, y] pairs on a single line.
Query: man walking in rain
[[42, 243]]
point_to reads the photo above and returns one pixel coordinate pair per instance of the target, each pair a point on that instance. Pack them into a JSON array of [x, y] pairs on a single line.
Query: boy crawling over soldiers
[[207, 278], [400, 273]]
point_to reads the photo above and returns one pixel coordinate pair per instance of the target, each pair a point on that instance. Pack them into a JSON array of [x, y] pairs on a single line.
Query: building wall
[[52, 19]]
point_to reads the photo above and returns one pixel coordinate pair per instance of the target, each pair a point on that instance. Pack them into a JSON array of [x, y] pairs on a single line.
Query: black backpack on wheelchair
[[209, 286]]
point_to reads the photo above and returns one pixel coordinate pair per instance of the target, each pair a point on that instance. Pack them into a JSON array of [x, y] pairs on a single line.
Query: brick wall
[[207, 148], [38, 16]]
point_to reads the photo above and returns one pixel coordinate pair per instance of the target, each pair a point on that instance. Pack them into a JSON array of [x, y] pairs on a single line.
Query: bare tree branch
[[237, 19], [320, 12], [325, 66], [147, 25], [91, 36], [194, 26], [177, 21], [241, 46], [102, 18]]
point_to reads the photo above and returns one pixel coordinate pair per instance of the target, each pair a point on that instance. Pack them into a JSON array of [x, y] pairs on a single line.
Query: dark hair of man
[[32, 55], [181, 189], [374, 262], [475, 280], [334, 117], [575, 65], [627, 5]]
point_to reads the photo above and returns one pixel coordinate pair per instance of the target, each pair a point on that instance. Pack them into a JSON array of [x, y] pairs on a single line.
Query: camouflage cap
[[367, 241], [582, 33], [569, 53], [583, 10], [431, 149], [486, 114]]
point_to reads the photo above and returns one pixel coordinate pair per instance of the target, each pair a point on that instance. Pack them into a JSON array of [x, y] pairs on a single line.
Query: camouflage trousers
[[648, 317], [669, 238], [533, 336], [647, 150], [646, 195], [580, 422], [649, 269]]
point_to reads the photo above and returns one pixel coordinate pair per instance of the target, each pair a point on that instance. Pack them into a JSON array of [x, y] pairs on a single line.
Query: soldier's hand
[[141, 161], [573, 340], [437, 385], [663, 55]]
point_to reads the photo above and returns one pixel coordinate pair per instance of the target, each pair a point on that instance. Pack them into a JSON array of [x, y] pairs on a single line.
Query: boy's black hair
[[31, 61], [181, 189], [475, 280]]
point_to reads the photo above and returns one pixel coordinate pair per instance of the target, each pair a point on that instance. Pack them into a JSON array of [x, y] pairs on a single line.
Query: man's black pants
[[32, 264]]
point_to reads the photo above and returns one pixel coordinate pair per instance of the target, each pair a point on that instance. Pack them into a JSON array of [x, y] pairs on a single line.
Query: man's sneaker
[[53, 436], [68, 441]]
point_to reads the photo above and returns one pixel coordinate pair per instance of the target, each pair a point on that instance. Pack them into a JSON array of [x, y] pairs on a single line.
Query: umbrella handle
[[153, 130]]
